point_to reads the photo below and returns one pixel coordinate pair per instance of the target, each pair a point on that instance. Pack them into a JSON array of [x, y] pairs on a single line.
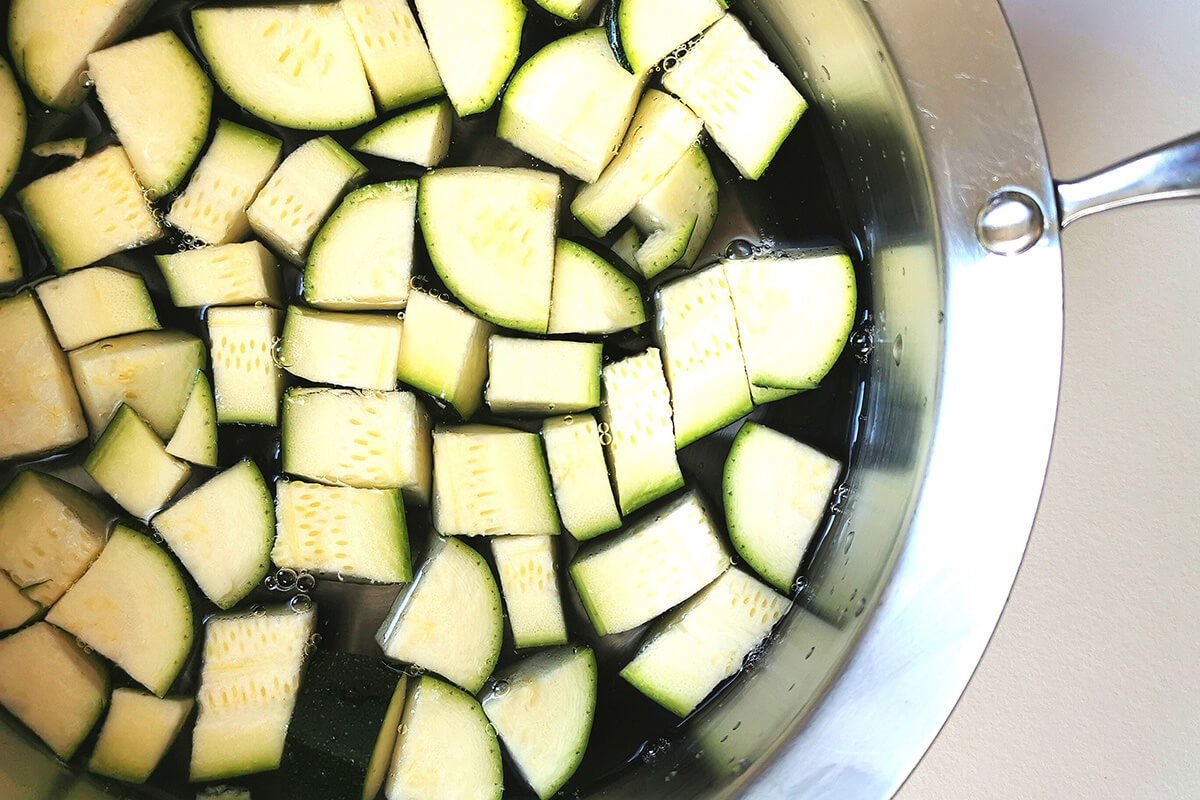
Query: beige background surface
[[1091, 685]]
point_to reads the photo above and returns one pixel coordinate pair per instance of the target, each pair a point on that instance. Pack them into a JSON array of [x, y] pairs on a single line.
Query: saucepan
[[940, 174]]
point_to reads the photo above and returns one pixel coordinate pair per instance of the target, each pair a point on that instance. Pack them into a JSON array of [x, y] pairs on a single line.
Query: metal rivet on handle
[[1010, 222]]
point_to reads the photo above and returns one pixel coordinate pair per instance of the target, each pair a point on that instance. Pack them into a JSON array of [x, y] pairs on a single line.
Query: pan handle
[[1169, 171]]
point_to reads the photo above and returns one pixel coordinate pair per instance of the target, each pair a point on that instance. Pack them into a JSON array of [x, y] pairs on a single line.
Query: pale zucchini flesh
[[689, 189], [356, 350], [10, 255], [132, 465], [443, 351], [419, 136], [582, 490], [13, 122], [195, 437], [72, 148], [394, 54], [591, 296], [222, 275], [474, 44], [247, 380], [137, 731], [649, 30], [96, 303], [571, 10], [542, 376], [664, 247], [528, 569], [15, 608]]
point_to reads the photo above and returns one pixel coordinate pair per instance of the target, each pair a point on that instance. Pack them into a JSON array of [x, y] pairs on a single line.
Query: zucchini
[[52, 685], [590, 295], [10, 255], [748, 105], [369, 440], [15, 608], [474, 44], [131, 464], [222, 275], [541, 376], [581, 486], [224, 793], [440, 719], [195, 438], [50, 45], [362, 258], [300, 193], [230, 174], [626, 245], [663, 248], [72, 148], [570, 103], [653, 565], [491, 481], [90, 209], [419, 136], [158, 101], [131, 607], [50, 532], [542, 708], [151, 372], [794, 315], [394, 54], [347, 717], [341, 532], [688, 190], [222, 532], [356, 350], [650, 29], [38, 404], [448, 619], [248, 687], [96, 303], [294, 65], [660, 134], [761, 395], [701, 355], [444, 352], [528, 569], [13, 123], [570, 10], [490, 234], [640, 446], [777, 492], [137, 733], [248, 382], [704, 641]]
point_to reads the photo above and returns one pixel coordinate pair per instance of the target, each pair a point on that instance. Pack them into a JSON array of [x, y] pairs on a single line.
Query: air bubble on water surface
[[277, 352], [839, 499], [85, 80], [285, 579], [739, 248], [861, 607], [270, 583], [300, 603], [606, 438], [257, 611], [414, 670], [305, 582], [754, 657], [653, 751], [862, 341], [568, 420], [500, 687]]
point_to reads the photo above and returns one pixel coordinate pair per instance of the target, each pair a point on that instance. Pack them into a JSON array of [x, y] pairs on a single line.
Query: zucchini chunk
[[448, 619], [541, 376], [50, 45], [570, 10], [356, 350], [301, 192], [653, 565], [131, 464], [137, 731], [341, 532], [151, 372], [490, 234], [224, 793], [626, 245], [475, 44], [39, 409], [581, 486], [570, 104], [195, 438], [91, 209], [663, 248], [52, 685], [10, 256], [650, 29], [528, 568], [440, 719], [748, 105], [222, 275], [72, 148], [230, 174], [159, 102], [222, 532], [636, 409], [777, 491], [419, 136], [394, 54], [704, 641], [761, 395], [15, 608], [542, 708], [13, 123], [248, 381], [96, 303], [294, 65], [590, 295], [248, 687], [444, 352], [793, 314], [491, 481], [688, 190], [50, 532], [368, 440], [362, 258], [701, 354], [661, 132], [132, 607], [347, 717]]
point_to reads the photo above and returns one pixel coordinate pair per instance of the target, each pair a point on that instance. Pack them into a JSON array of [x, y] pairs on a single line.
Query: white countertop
[[1091, 685]]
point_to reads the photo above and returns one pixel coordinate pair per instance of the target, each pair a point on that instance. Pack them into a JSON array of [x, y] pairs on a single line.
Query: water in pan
[[793, 205]]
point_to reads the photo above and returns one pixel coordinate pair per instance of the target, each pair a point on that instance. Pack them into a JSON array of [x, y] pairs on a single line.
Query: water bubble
[[603, 427], [259, 304], [414, 670], [839, 499], [85, 80], [605, 439], [285, 579], [315, 639], [500, 687], [754, 657], [862, 341], [799, 586], [568, 420], [403, 729], [898, 349], [306, 582], [653, 751], [491, 729], [300, 603], [669, 63], [276, 351], [739, 248], [861, 607], [270, 583], [156, 538], [258, 611], [849, 542]]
